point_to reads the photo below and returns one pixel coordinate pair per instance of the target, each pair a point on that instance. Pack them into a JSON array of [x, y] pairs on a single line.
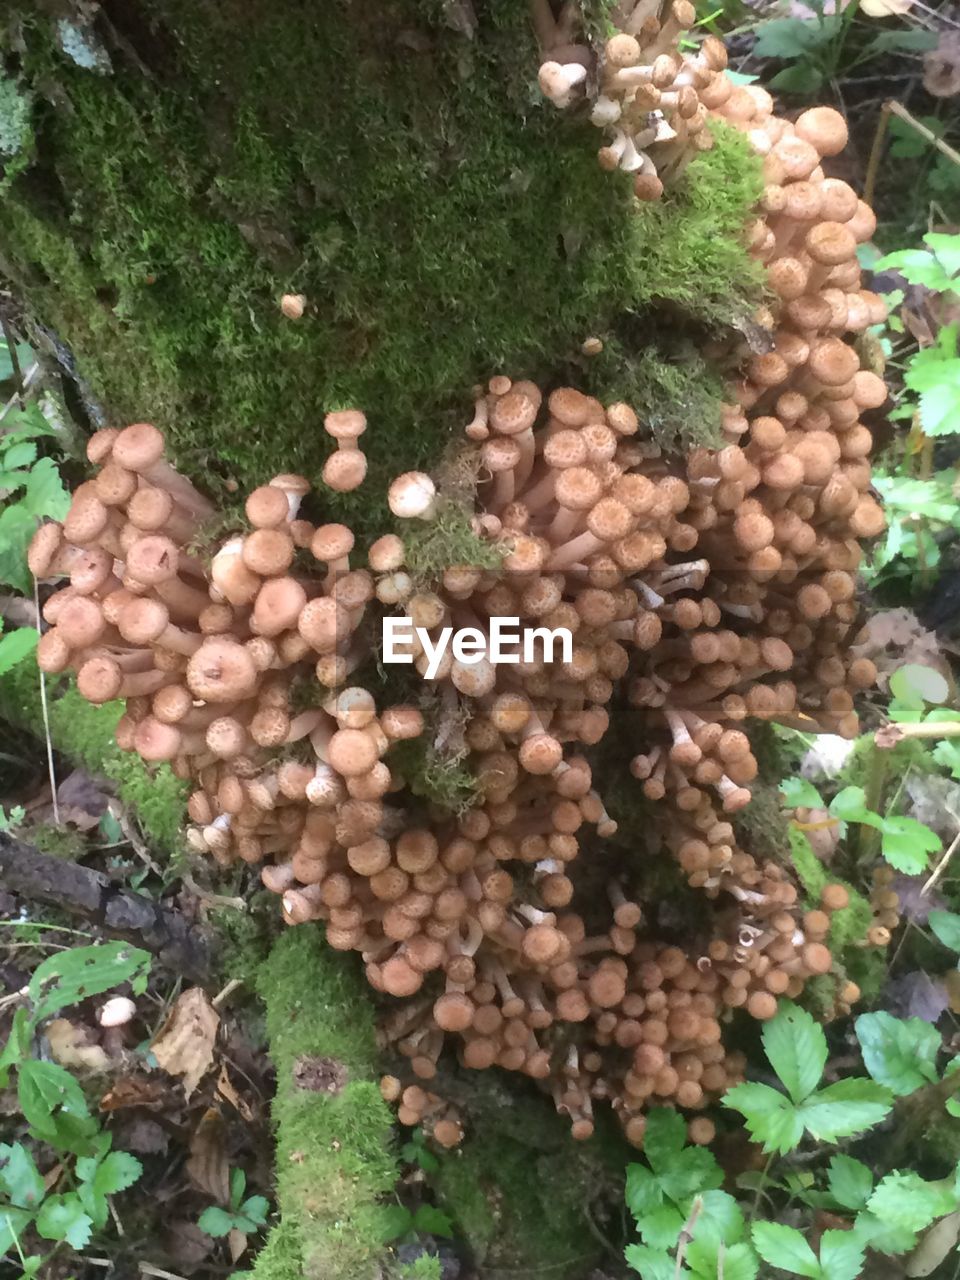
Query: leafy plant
[[401, 1223], [246, 1215], [41, 493]]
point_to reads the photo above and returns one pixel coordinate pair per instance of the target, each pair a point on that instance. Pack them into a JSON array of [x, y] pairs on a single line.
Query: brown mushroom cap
[[221, 670]]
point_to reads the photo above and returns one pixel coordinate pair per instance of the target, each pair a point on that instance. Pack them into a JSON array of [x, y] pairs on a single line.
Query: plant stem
[[888, 735]]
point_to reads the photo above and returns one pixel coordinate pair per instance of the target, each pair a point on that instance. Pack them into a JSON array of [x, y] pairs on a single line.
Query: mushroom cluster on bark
[[703, 593]]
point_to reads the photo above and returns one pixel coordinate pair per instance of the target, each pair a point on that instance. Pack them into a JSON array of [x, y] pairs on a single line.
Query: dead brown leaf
[[237, 1242], [187, 1246], [75, 1046], [227, 1091], [184, 1046], [208, 1166], [134, 1091]]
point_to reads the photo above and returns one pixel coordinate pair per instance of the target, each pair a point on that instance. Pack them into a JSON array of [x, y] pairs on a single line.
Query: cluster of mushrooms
[[703, 593]]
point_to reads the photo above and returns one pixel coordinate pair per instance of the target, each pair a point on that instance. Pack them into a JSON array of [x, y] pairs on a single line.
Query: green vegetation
[[443, 222]]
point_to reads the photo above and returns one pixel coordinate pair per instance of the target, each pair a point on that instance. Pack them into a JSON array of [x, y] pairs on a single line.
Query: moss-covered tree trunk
[[171, 168]]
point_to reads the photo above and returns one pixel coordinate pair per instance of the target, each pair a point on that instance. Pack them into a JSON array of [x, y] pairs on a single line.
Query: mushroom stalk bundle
[[703, 593]]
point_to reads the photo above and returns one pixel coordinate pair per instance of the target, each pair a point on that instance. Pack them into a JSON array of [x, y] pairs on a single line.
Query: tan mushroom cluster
[[702, 593]]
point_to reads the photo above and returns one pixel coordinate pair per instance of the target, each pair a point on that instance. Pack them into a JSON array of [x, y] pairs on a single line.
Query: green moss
[[61, 842], [334, 1152], [85, 733], [443, 221], [447, 540]]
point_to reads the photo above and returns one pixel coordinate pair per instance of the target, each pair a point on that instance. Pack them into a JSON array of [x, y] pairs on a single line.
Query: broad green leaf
[[16, 530], [899, 1052], [15, 646], [906, 1200], [432, 1221], [850, 1182], [19, 455], [643, 1191], [913, 682], [17, 1046], [771, 1117], [661, 1228], [739, 1261], [946, 927], [917, 267], [798, 792], [46, 495], [238, 1185], [947, 250], [791, 37], [805, 77], [63, 1218], [885, 1237], [218, 1222], [13, 1223], [845, 1108], [796, 1048], [694, 1169], [902, 42], [19, 1177], [256, 1208], [53, 1104], [785, 1247], [651, 1264], [116, 1172], [906, 844], [841, 1255], [720, 1219], [70, 976], [850, 805], [664, 1137]]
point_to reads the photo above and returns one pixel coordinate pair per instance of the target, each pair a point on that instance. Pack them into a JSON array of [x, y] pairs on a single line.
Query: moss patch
[[334, 1149], [442, 220]]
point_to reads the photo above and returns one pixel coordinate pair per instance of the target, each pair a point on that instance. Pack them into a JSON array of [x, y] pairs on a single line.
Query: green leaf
[[432, 1221], [13, 1224], [218, 1222], [914, 683], [238, 1185], [70, 976], [850, 806], [63, 1218], [643, 1191], [850, 1182], [844, 1108], [796, 1049], [886, 1237], [907, 143], [16, 530], [256, 1208], [791, 37], [798, 792], [906, 1200], [771, 1117], [804, 78], [785, 1247], [19, 1177], [739, 1261], [906, 844], [947, 251], [900, 1053], [692, 1170], [15, 646], [46, 496], [720, 1219], [395, 1221], [651, 1264], [946, 927], [663, 1138], [841, 1255], [53, 1104], [17, 1047], [20, 455], [917, 267], [116, 1172], [940, 405], [902, 42], [661, 1228]]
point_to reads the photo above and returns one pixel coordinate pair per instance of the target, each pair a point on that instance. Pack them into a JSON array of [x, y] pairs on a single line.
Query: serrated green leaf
[[841, 1255], [947, 251], [256, 1208], [885, 1237], [651, 1264], [907, 844], [845, 1108], [53, 1104], [799, 792], [946, 927], [850, 1182], [643, 1191], [13, 1223], [906, 1200], [661, 1228], [70, 976], [116, 1172], [17, 1046], [218, 1222], [770, 1116], [785, 1247], [432, 1221], [899, 1052], [796, 1048], [694, 1169], [15, 646], [663, 1138], [739, 1262], [46, 496], [720, 1219], [63, 1218], [16, 530], [19, 1177], [940, 404]]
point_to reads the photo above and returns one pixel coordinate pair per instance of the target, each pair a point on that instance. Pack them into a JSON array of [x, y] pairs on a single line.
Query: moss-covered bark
[[444, 222]]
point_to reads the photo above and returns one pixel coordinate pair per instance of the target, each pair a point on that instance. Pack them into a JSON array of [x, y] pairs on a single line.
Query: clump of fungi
[[704, 593]]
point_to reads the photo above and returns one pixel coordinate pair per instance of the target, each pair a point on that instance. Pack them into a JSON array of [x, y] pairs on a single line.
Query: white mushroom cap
[[116, 1012], [412, 495]]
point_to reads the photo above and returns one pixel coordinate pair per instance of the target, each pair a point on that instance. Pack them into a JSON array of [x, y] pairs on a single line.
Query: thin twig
[[943, 147], [146, 1269], [231, 986], [686, 1235], [46, 720], [941, 865], [876, 151], [889, 735]]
